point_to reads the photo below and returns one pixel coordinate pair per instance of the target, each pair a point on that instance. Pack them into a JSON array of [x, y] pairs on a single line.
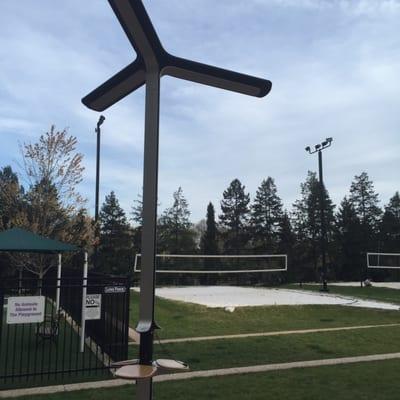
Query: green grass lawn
[[226, 353], [363, 381], [23, 352], [367, 293], [179, 319]]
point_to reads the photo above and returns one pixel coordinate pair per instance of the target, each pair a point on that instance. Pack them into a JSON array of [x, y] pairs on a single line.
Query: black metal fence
[[49, 352]]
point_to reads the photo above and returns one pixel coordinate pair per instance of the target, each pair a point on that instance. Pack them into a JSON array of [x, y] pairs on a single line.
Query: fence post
[[127, 310], [58, 289], [84, 291], [1, 313]]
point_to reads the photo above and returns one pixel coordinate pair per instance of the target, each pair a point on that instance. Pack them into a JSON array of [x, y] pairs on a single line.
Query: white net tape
[[383, 260], [216, 264]]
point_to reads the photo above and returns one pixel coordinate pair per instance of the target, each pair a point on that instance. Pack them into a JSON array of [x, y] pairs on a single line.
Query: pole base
[[324, 288]]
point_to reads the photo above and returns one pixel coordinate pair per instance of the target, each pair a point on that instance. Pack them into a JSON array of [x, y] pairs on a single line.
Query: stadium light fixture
[[318, 149], [151, 63], [100, 121]]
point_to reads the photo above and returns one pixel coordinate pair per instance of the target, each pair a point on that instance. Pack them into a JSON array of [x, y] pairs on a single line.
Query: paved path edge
[[199, 374], [276, 333]]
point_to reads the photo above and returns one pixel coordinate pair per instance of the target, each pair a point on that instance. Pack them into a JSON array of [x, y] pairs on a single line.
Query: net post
[[137, 255]]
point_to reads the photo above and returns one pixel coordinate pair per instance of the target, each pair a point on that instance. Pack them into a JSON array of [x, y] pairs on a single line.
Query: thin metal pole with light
[[96, 209], [151, 63], [318, 149]]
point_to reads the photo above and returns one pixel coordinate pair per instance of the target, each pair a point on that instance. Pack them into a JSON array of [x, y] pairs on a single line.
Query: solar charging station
[[151, 63]]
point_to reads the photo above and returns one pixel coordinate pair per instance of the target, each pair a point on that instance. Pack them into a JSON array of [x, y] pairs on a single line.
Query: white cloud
[[334, 67]]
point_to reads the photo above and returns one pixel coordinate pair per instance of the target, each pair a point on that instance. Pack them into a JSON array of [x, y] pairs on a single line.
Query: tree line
[[43, 198]]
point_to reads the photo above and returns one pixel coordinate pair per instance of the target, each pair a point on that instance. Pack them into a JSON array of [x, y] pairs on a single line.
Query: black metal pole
[[323, 226], [146, 323], [363, 250], [1, 313], [318, 149], [96, 209]]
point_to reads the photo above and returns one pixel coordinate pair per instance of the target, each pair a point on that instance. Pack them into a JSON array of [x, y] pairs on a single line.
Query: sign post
[[151, 63]]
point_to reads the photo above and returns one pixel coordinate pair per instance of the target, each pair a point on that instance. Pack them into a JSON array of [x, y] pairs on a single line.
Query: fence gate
[[41, 332]]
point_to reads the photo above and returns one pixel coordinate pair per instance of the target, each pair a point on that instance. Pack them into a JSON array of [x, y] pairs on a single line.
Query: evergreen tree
[[286, 245], [115, 249], [209, 243], [80, 232], [45, 214], [307, 225], [286, 235], [390, 226], [266, 214], [365, 202], [175, 229], [137, 218], [11, 198], [348, 238], [235, 217], [137, 211], [11, 206]]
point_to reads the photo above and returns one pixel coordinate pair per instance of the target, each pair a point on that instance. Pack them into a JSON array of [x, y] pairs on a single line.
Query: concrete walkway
[[275, 367], [133, 335], [260, 334], [200, 374]]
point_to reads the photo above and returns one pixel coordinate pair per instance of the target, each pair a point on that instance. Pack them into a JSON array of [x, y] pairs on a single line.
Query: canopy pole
[[20, 280], [84, 291], [58, 283]]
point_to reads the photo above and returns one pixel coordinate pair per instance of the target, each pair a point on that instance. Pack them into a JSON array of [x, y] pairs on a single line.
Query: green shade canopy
[[20, 240]]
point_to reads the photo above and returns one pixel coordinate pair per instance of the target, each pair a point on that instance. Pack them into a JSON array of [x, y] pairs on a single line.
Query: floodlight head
[[101, 120], [317, 146], [327, 142], [308, 149]]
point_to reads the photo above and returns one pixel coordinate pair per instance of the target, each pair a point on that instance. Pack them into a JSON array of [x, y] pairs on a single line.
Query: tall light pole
[[96, 209], [318, 149]]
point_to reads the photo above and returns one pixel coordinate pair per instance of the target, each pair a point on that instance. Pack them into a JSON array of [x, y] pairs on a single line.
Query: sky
[[334, 66]]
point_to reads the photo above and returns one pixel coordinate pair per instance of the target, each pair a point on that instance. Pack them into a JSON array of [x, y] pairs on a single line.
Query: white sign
[[93, 306], [25, 309]]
